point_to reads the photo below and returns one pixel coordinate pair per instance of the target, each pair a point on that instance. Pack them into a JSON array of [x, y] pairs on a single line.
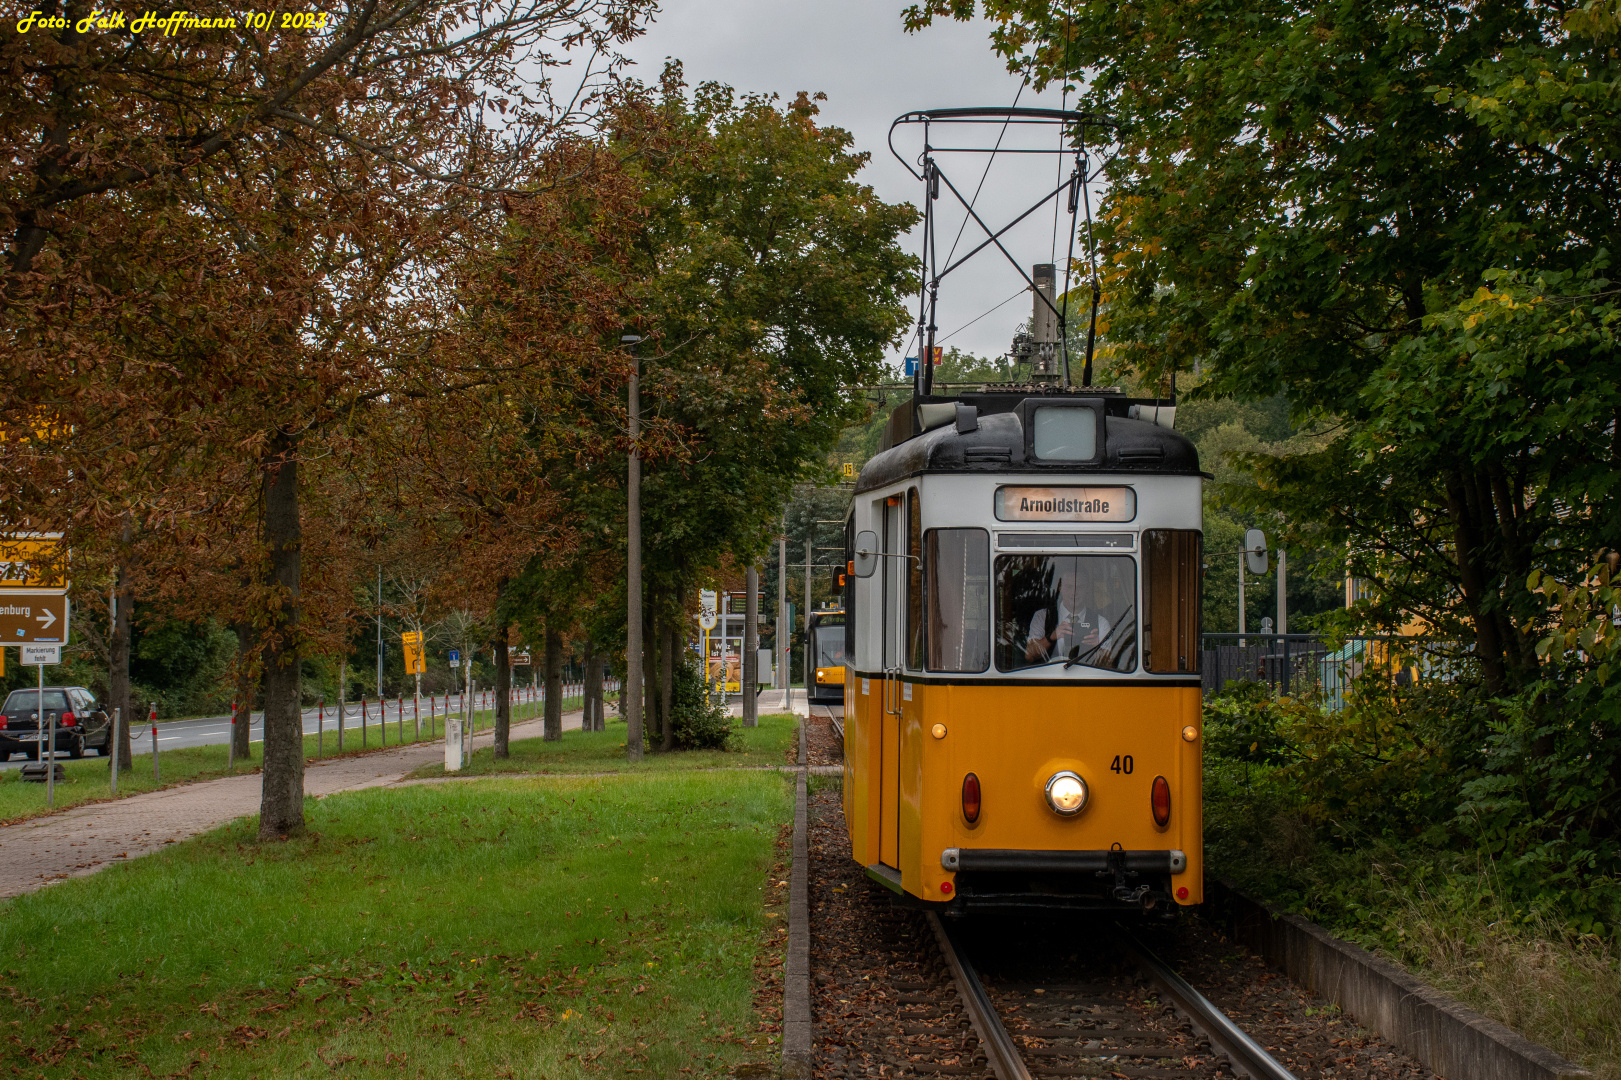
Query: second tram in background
[[827, 657]]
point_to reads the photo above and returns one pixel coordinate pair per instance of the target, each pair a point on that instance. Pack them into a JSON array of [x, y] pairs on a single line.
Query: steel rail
[[1000, 1053], [1247, 1057]]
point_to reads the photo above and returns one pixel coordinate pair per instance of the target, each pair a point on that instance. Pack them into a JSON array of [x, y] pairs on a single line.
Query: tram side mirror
[[866, 560], [1255, 551]]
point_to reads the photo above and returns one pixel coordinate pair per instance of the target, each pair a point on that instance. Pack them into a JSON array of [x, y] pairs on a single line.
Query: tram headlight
[[1066, 793]]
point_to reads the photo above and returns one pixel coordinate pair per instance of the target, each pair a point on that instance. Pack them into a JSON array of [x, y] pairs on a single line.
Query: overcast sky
[[858, 54]]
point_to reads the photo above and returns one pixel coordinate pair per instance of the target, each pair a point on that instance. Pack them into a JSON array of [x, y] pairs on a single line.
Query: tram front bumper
[[1016, 860]]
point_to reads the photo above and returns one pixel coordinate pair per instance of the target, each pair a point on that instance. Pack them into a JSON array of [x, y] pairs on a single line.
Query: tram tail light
[[1161, 800], [970, 798]]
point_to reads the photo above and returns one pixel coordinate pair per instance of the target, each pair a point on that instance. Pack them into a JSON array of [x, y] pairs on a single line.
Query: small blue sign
[[455, 657], [911, 366]]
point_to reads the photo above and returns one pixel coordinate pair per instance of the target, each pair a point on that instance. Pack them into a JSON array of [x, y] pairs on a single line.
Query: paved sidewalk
[[43, 851], [771, 700]]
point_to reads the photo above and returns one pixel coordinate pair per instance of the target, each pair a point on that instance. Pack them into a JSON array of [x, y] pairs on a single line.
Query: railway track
[[833, 714], [1013, 995], [1118, 1012]]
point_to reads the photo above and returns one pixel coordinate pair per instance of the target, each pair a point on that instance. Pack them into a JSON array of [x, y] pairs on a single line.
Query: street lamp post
[[632, 690], [751, 648]]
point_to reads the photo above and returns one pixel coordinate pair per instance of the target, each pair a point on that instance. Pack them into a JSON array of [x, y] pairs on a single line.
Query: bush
[[698, 724], [1304, 805]]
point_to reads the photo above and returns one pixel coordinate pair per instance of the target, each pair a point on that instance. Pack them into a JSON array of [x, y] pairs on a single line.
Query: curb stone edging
[[796, 1010], [1448, 1037]]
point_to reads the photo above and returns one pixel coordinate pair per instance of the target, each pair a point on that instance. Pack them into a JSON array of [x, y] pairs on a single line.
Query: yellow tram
[[826, 652], [1022, 693]]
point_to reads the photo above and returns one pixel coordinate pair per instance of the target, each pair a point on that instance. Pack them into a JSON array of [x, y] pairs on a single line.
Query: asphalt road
[[215, 730]]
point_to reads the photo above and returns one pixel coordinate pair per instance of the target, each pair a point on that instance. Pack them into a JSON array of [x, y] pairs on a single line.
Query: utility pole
[[1283, 592], [784, 631], [379, 637], [632, 690], [810, 553], [1241, 557], [751, 649]]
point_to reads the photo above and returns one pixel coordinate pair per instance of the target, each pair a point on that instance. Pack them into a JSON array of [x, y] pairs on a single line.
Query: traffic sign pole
[[39, 726], [118, 729]]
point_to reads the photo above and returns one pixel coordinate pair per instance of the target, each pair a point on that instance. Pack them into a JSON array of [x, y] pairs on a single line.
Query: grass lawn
[[87, 779], [547, 928], [604, 751]]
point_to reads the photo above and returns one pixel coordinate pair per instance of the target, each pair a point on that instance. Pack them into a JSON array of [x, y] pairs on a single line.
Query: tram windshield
[[829, 646], [1075, 608]]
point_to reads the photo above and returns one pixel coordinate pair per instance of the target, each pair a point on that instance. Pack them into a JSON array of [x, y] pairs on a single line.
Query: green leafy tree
[[767, 281], [1402, 215]]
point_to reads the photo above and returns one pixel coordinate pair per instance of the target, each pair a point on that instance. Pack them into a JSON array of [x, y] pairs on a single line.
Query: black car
[[81, 723]]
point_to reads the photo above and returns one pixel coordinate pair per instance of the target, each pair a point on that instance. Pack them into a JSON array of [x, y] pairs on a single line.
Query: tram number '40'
[[1122, 764]]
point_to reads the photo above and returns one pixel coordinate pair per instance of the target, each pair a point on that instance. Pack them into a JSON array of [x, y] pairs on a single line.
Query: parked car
[[81, 723]]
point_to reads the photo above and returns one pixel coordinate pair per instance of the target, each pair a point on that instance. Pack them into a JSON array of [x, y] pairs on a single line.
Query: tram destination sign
[[33, 618], [1066, 504]]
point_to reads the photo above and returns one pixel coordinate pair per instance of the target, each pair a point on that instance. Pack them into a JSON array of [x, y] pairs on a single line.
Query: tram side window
[[1075, 609], [914, 581], [1171, 561], [849, 586], [959, 599]]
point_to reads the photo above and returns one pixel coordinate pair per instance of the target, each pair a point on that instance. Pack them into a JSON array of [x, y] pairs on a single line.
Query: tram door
[[894, 571]]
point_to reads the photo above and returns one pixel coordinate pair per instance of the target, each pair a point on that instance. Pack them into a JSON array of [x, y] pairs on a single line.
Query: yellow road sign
[[416, 662], [33, 561], [849, 468]]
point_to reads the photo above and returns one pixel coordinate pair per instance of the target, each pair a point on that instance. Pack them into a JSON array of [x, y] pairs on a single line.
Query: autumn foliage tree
[[222, 252]]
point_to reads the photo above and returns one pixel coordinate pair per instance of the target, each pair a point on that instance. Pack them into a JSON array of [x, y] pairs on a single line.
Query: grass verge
[[604, 751], [87, 780], [1518, 967], [557, 928]]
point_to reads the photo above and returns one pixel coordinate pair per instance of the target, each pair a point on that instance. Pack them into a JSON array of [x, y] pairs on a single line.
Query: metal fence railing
[[1300, 664]]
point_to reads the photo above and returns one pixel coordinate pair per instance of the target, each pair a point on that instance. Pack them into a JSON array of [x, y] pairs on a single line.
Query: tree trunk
[[242, 718], [667, 683], [554, 685], [503, 683], [281, 806], [1462, 504], [118, 662], [624, 684], [592, 720], [652, 636]]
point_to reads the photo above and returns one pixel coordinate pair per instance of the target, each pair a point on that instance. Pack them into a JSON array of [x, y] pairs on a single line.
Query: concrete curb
[[796, 1007], [1448, 1037]]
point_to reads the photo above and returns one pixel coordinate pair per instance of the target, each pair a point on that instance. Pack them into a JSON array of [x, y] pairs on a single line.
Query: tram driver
[[1066, 607]]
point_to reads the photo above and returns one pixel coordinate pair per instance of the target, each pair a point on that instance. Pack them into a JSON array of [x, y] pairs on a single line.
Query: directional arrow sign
[[33, 618]]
